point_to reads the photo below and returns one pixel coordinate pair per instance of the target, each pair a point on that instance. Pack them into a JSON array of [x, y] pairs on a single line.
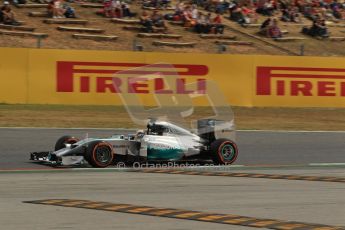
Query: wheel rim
[[103, 154], [228, 151]]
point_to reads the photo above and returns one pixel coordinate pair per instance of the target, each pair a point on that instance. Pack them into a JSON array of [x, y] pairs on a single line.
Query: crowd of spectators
[[270, 28], [318, 29], [248, 11], [187, 12], [158, 4], [60, 9], [243, 14], [116, 9], [197, 21], [152, 21], [290, 14], [7, 16]]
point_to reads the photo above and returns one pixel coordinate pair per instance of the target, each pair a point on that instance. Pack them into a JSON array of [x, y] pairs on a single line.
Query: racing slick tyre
[[223, 151], [60, 143], [100, 154]]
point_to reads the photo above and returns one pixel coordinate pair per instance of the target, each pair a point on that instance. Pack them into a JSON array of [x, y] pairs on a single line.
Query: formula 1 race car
[[162, 141]]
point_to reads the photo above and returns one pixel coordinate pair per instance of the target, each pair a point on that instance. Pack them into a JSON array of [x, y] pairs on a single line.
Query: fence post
[[136, 46], [302, 49], [39, 41], [221, 48]]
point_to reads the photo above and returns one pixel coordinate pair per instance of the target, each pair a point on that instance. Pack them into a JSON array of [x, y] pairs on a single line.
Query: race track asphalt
[[255, 147], [289, 203]]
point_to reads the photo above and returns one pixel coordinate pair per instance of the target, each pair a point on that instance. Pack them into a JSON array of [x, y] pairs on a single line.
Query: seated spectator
[[158, 4], [264, 26], [126, 12], [300, 5], [335, 4], [273, 29], [165, 4], [9, 17], [158, 20], [19, 2], [308, 12], [116, 9], [50, 9], [177, 15], [69, 11], [187, 17], [58, 10], [195, 12], [318, 29], [267, 8], [3, 9], [248, 14], [202, 25], [150, 3], [236, 14], [210, 4], [107, 9], [327, 13], [179, 7], [336, 12], [221, 6], [146, 22], [217, 26], [290, 15]]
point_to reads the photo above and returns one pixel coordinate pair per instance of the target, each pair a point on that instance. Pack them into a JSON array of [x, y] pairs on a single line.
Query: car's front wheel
[[223, 151], [100, 154], [62, 141]]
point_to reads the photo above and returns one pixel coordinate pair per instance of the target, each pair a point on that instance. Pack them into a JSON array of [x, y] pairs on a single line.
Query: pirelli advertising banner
[[299, 81], [38, 76]]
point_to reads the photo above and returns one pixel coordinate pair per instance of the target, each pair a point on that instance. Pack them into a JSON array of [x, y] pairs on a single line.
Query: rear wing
[[211, 129]]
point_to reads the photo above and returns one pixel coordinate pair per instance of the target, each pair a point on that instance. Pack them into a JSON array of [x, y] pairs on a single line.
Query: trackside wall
[[39, 76]]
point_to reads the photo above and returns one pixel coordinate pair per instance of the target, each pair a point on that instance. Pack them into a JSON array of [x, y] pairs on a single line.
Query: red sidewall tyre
[[94, 159]]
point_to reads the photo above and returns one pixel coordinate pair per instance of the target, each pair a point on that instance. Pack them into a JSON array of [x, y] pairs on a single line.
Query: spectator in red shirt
[[217, 24]]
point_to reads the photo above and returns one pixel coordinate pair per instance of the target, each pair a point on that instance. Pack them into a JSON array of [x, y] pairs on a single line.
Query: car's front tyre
[[62, 141], [100, 154]]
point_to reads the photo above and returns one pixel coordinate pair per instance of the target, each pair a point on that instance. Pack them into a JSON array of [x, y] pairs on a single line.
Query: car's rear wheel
[[100, 154], [62, 141], [223, 151]]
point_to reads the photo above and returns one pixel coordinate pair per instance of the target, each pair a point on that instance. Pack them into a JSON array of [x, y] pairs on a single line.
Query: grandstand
[[90, 30]]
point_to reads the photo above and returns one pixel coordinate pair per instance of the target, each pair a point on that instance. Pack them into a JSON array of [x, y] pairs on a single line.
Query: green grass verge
[[117, 117]]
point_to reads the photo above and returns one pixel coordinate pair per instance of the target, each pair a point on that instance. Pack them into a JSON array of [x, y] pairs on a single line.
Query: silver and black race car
[[162, 141]]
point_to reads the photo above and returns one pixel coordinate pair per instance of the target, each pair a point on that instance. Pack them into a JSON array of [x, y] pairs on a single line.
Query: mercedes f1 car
[[162, 141]]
